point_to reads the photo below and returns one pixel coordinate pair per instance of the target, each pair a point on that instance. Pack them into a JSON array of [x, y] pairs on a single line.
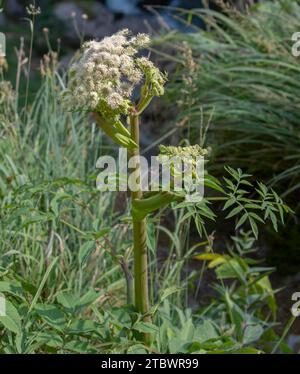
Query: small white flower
[[115, 100], [94, 98], [90, 66]]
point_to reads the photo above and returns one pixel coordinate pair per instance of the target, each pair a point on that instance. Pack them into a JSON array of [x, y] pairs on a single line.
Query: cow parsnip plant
[[102, 82]]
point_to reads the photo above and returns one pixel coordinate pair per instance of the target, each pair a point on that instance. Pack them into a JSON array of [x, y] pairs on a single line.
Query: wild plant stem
[[29, 59], [284, 334], [141, 296], [129, 282]]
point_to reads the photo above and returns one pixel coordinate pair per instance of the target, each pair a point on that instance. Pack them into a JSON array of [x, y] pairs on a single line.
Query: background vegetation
[[66, 248]]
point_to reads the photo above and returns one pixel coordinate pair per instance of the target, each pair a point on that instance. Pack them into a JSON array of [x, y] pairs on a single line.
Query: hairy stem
[[141, 297]]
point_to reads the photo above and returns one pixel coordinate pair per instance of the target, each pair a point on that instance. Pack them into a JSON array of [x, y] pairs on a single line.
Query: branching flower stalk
[[102, 81]]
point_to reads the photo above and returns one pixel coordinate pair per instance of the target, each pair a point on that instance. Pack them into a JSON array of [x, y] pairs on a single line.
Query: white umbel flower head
[[103, 78]]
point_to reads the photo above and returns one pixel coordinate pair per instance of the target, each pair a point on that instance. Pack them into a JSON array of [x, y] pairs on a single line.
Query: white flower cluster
[[106, 73]]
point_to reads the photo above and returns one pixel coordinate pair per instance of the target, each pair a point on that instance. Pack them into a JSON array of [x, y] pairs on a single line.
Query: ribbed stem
[[141, 297]]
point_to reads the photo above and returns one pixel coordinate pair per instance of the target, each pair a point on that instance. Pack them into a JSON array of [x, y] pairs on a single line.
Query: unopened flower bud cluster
[[174, 156], [188, 151]]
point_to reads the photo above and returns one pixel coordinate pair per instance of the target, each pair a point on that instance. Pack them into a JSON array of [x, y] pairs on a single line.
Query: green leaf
[[112, 132], [50, 339], [235, 313], [253, 206], [246, 351], [13, 288], [79, 347], [55, 201], [71, 301], [124, 141], [142, 207], [84, 252], [245, 182], [163, 296], [42, 284], [253, 227], [207, 256], [137, 349], [121, 128], [205, 211], [230, 269], [256, 217], [81, 326], [252, 334], [151, 239], [229, 203], [51, 315], [145, 327], [176, 345], [12, 319], [235, 211], [205, 331], [230, 185], [67, 299], [168, 292], [210, 181], [88, 298], [235, 174], [38, 218], [274, 221], [242, 220]]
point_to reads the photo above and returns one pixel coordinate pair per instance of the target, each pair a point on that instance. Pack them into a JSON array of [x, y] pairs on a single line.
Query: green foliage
[[240, 203], [61, 325], [244, 301], [239, 319], [50, 214], [66, 248], [241, 76]]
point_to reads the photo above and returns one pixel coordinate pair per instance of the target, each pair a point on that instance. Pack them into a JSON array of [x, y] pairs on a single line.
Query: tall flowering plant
[[102, 82]]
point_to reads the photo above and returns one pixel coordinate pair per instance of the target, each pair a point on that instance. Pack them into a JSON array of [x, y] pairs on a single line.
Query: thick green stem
[[141, 297]]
